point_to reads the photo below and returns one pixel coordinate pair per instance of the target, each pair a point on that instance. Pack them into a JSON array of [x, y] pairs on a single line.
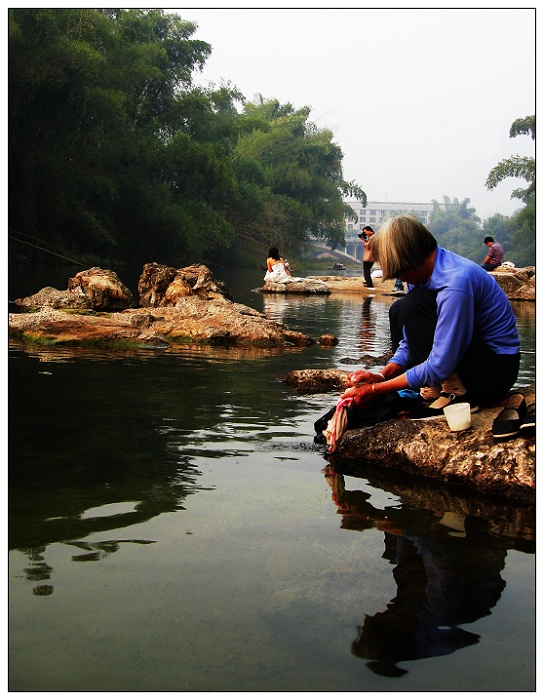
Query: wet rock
[[328, 340], [192, 321], [472, 460], [316, 381]]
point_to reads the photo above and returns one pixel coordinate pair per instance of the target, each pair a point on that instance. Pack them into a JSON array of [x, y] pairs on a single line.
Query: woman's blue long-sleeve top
[[469, 303]]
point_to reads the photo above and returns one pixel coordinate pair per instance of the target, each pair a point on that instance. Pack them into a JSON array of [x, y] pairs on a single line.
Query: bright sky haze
[[420, 101]]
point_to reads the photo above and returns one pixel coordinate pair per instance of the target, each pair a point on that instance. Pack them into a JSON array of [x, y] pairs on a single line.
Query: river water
[[173, 527]]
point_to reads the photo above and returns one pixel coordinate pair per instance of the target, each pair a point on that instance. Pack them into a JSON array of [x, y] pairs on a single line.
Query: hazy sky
[[420, 100]]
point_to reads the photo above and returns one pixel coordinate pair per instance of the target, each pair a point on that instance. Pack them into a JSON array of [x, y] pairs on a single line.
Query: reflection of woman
[[447, 570], [276, 271]]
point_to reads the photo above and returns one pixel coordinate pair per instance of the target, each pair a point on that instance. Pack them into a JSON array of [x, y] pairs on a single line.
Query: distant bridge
[[353, 250]]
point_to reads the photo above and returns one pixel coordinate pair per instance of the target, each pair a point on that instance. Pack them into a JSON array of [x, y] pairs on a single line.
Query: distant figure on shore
[[494, 255], [368, 259]]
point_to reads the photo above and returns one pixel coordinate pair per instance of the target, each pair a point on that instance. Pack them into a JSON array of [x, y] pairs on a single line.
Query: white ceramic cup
[[458, 416]]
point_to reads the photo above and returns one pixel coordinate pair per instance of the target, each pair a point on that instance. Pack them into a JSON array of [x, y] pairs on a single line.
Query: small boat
[[337, 266]]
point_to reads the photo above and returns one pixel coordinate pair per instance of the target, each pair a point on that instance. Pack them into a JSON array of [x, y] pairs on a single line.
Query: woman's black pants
[[486, 375]]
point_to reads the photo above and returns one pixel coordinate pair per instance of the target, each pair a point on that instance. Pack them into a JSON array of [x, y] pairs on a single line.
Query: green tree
[[457, 227], [517, 166], [95, 98], [292, 177], [523, 224], [114, 154]]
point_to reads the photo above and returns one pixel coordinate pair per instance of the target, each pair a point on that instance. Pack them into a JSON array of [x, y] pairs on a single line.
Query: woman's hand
[[362, 376], [362, 395]]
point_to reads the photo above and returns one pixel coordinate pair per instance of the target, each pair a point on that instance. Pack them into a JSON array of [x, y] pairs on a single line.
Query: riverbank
[[519, 284]]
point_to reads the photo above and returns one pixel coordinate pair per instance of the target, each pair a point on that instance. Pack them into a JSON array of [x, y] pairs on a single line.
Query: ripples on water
[[262, 569]]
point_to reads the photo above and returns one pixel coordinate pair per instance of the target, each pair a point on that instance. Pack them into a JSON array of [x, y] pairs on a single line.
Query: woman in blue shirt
[[454, 326]]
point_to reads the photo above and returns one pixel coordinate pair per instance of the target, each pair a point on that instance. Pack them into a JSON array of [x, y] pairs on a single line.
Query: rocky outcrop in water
[[472, 460], [519, 284], [309, 286], [185, 306]]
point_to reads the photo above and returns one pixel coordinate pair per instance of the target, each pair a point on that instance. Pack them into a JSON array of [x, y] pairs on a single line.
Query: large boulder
[[102, 288], [517, 283], [472, 460], [97, 289], [160, 285]]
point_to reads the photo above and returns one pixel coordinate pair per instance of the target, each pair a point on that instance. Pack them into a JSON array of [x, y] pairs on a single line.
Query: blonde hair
[[402, 243]]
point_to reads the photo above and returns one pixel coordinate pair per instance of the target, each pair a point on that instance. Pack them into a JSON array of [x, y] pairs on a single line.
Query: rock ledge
[[472, 460]]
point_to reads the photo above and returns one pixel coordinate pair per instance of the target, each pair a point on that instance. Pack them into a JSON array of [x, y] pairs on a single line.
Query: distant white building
[[374, 214]]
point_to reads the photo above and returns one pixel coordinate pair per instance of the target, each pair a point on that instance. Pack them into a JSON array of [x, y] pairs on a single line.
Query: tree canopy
[[522, 226], [116, 155]]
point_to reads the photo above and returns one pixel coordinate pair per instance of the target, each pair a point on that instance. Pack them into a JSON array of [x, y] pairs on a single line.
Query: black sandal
[[528, 422], [508, 422], [436, 409]]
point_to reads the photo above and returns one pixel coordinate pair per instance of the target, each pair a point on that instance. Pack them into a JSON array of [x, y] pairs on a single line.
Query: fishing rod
[[32, 245]]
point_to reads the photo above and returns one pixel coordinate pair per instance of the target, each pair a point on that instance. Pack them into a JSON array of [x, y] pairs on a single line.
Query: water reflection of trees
[[89, 429], [447, 551]]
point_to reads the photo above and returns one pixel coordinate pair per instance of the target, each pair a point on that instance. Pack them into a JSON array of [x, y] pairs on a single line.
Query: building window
[[372, 212], [372, 219]]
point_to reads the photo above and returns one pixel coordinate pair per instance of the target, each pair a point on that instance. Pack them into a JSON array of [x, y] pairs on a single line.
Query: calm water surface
[[174, 527]]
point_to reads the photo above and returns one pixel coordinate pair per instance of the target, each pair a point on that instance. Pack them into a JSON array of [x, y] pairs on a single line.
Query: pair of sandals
[[515, 417]]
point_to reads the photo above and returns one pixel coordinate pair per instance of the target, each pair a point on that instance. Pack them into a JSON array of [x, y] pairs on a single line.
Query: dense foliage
[[116, 155]]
